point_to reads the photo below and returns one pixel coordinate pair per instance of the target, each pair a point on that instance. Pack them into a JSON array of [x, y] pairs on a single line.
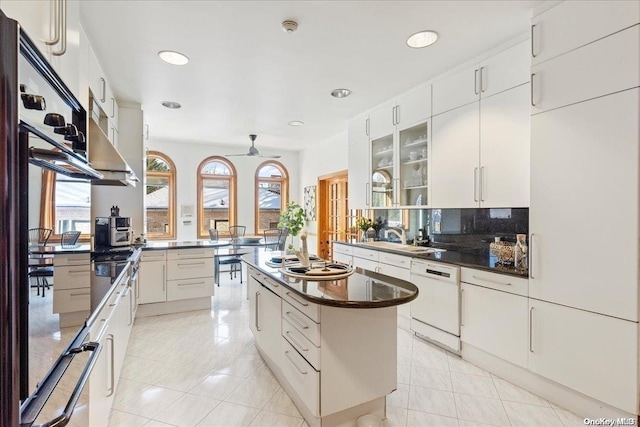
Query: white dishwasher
[[435, 314]]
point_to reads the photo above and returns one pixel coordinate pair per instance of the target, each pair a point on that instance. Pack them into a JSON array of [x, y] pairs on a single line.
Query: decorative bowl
[[504, 251]]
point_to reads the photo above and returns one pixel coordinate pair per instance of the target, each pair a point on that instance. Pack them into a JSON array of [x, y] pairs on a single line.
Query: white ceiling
[[246, 75]]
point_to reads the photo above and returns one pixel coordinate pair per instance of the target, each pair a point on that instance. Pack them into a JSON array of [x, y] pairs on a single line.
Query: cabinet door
[[101, 381], [495, 322], [413, 159], [593, 354], [358, 152], [584, 191], [383, 176], [66, 59], [456, 90], [455, 158], [570, 25], [505, 70], [252, 290], [504, 149], [97, 81], [414, 106], [382, 121], [606, 66], [153, 282], [269, 320], [36, 17]]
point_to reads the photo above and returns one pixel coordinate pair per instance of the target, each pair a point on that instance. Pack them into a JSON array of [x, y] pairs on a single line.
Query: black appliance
[[112, 231]]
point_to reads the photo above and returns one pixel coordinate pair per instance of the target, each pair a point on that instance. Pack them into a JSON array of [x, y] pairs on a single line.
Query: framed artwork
[[310, 203]]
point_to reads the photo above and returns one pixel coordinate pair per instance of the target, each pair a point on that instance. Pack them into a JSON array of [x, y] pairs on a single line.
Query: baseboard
[[574, 401], [170, 307]]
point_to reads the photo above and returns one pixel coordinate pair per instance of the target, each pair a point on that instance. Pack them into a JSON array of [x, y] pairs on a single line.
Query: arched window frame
[[203, 232], [284, 185], [170, 233]]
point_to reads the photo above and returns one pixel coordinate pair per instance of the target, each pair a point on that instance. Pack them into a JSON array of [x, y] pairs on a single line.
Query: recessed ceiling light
[[422, 39], [174, 58], [340, 93], [171, 104], [296, 123]]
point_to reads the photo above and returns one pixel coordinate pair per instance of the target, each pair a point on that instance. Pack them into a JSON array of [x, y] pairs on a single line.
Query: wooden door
[[335, 218]]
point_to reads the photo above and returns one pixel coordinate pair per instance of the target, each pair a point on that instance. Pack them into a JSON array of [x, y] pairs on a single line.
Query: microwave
[[113, 231]]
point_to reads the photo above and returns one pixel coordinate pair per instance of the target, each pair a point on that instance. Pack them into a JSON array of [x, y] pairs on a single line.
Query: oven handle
[[32, 406]]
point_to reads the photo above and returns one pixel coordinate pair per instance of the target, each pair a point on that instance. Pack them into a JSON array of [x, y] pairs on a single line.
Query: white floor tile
[[396, 417], [568, 418], [431, 378], [432, 401], [523, 415], [475, 385], [216, 386], [187, 411], [253, 392], [269, 419], [456, 364], [154, 423], [481, 409], [148, 403], [400, 397], [404, 374], [229, 414], [281, 403], [124, 419], [423, 419], [513, 393]]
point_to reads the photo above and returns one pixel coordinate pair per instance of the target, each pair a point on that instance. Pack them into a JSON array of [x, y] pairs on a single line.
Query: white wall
[[187, 158], [328, 157]]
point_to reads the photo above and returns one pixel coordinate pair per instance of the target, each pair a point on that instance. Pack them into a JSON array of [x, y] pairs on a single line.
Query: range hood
[[105, 158]]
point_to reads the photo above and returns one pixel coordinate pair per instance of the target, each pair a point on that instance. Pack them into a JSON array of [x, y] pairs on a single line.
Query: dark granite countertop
[[472, 258], [188, 244], [58, 249], [362, 289]]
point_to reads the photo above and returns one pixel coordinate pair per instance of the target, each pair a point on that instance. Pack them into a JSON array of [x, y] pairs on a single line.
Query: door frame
[[323, 207]]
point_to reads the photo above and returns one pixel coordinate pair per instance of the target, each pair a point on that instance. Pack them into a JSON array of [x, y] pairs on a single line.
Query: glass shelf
[[411, 162]]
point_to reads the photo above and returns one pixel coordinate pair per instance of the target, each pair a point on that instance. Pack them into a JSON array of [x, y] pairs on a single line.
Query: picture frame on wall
[[310, 203]]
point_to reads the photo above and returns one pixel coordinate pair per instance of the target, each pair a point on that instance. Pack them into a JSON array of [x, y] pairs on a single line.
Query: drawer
[[367, 264], [500, 282], [306, 348], [71, 300], [72, 259], [190, 253], [393, 271], [153, 256], [266, 281], [394, 259], [189, 268], [309, 309], [365, 253], [72, 277], [190, 288], [309, 328], [342, 249], [340, 257], [302, 377]]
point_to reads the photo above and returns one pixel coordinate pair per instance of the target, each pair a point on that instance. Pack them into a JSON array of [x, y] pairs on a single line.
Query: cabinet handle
[[531, 256], [56, 24], [113, 107], [304, 304], [257, 311], [475, 82], [296, 320], [482, 184], [366, 127], [286, 353], [111, 365], [77, 272], [393, 116], [397, 114], [533, 104], [490, 281], [131, 308], [146, 132], [103, 97], [475, 184], [533, 55], [164, 281], [482, 88], [188, 265], [295, 342], [63, 29], [82, 294], [531, 329], [462, 305], [366, 193], [191, 284]]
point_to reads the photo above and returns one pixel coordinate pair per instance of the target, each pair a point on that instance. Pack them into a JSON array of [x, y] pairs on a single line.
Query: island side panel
[[359, 356]]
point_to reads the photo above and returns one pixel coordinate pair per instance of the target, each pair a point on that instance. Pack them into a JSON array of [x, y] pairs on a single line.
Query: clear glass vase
[[520, 256]]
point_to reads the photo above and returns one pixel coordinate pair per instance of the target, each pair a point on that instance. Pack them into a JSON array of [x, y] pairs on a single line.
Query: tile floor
[[201, 369]]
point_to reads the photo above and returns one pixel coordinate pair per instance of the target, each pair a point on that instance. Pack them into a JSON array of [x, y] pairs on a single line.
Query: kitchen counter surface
[[481, 260], [58, 249], [187, 244], [362, 289]]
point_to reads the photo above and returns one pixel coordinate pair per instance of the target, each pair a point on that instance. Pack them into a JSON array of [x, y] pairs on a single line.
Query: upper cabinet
[[104, 98], [358, 152], [480, 145], [54, 27]]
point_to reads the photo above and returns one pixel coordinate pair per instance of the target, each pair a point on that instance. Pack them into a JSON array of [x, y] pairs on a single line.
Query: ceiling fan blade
[[269, 156], [232, 155]]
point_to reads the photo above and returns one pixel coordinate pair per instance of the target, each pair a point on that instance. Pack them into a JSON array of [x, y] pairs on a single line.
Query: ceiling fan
[[253, 151]]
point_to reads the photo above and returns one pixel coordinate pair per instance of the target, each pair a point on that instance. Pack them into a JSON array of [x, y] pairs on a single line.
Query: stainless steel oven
[[113, 231]]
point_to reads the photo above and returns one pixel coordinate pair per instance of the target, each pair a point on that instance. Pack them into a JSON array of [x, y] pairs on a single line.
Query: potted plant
[[292, 217], [363, 224]]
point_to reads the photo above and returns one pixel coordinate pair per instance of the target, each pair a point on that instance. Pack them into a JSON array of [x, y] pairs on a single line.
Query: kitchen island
[[332, 344]]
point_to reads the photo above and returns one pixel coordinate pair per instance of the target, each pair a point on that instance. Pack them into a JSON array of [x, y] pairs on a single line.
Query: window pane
[[215, 202], [157, 204], [269, 171], [73, 205], [157, 164], [216, 168], [269, 204]]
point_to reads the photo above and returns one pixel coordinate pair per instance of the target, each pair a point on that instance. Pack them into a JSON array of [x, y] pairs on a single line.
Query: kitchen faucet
[[398, 232]]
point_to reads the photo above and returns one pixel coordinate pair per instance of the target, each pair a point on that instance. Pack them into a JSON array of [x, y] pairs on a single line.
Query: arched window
[[272, 194], [160, 196], [216, 196]]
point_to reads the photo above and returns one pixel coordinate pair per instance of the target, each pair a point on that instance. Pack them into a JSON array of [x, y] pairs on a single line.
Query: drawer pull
[[154, 256], [296, 320], [191, 284], [303, 372], [491, 281], [190, 253], [190, 264], [79, 295], [77, 272], [295, 342], [304, 304]]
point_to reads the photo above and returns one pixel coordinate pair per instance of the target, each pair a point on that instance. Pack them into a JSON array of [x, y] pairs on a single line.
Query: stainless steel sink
[[402, 248]]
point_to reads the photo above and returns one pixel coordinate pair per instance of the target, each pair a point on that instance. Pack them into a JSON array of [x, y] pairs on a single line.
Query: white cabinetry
[[358, 153], [480, 149], [593, 354], [72, 283], [153, 277], [264, 299], [104, 97], [342, 253], [494, 320], [190, 273]]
